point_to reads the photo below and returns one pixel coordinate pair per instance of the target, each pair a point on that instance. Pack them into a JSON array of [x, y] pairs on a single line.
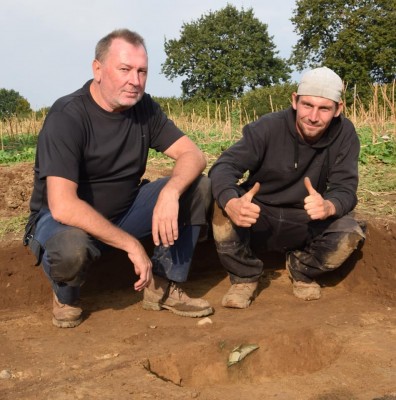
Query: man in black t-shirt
[[88, 191]]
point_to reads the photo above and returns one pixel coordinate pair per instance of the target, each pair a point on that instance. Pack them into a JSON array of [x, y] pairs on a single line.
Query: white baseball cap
[[321, 82]]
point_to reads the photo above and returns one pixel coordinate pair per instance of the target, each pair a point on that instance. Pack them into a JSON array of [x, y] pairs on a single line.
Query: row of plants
[[22, 147], [380, 107]]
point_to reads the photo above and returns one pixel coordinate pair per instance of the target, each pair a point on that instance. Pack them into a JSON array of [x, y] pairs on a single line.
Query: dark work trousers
[[66, 252], [312, 247]]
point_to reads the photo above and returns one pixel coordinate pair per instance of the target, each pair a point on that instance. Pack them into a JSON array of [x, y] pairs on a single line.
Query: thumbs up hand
[[315, 205], [242, 211]]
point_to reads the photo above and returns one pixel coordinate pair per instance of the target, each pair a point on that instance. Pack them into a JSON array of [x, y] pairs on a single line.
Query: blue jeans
[[67, 252]]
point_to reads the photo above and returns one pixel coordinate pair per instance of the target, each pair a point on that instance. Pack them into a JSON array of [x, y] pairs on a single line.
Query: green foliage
[[13, 104], [177, 107], [42, 112], [222, 54], [212, 143], [268, 99], [357, 39], [252, 104], [14, 156], [382, 150], [18, 148]]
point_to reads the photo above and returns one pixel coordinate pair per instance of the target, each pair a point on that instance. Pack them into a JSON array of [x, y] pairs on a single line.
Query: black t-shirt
[[104, 153]]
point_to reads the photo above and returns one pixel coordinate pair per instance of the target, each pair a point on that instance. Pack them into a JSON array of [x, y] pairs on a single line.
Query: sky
[[47, 46]]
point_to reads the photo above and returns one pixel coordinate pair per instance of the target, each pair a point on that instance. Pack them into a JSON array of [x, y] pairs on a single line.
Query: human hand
[[242, 211], [142, 265], [315, 205], [165, 225]]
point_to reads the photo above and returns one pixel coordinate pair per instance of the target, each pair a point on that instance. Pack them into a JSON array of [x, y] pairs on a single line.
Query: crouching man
[[302, 167], [89, 195]]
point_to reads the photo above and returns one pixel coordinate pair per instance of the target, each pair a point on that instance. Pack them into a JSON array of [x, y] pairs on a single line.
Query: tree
[[357, 38], [12, 103], [222, 54]]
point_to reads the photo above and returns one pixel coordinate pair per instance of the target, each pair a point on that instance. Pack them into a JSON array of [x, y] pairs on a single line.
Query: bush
[[253, 104], [268, 99]]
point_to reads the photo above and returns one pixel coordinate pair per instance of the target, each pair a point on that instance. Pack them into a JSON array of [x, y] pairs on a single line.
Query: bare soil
[[342, 347]]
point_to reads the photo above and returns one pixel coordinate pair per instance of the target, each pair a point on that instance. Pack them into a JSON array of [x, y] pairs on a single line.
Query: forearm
[[186, 169], [224, 180], [78, 213]]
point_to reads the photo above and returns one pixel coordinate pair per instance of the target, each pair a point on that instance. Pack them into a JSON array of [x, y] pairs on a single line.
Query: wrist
[[330, 208], [171, 190]]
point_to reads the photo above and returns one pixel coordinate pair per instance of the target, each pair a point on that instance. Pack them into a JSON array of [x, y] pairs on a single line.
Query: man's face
[[314, 115], [121, 77]]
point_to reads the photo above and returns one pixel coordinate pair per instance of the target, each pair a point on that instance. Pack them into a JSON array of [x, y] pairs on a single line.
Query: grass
[[377, 189], [12, 225]]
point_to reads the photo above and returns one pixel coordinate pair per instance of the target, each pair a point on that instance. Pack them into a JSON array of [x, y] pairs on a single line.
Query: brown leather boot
[[240, 295], [303, 290], [65, 315], [306, 291], [162, 293]]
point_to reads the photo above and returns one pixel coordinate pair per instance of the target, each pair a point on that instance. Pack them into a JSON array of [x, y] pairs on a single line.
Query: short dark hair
[[103, 45]]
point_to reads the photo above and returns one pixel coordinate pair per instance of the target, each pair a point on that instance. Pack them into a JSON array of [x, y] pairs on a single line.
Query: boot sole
[[314, 295], [148, 305], [240, 306], [232, 303], [66, 324]]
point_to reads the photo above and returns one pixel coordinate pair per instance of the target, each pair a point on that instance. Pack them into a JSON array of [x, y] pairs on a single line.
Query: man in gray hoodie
[[302, 175]]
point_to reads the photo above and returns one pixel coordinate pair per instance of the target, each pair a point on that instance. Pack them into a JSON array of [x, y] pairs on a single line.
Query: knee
[[68, 254], [349, 225], [204, 185], [223, 228], [204, 189], [196, 202], [346, 244]]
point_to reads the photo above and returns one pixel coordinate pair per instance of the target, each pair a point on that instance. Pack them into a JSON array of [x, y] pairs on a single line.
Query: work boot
[[303, 290], [162, 293], [306, 291], [65, 315], [240, 295]]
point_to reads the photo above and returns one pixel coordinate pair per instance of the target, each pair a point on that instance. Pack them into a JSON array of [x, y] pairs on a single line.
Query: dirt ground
[[342, 347]]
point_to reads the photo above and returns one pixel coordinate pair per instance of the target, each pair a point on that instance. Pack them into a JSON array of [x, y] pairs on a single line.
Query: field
[[342, 347]]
